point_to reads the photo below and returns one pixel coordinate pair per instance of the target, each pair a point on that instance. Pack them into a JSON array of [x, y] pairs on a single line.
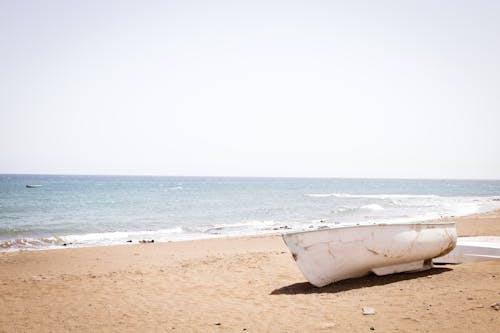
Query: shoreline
[[465, 219], [237, 284]]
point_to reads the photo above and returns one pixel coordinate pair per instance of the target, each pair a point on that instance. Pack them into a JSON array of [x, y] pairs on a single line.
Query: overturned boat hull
[[329, 255]]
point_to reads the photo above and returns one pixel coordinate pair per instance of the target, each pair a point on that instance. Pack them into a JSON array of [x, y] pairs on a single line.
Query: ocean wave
[[118, 235], [344, 210], [31, 243], [319, 195], [352, 210], [12, 231], [372, 196], [161, 235], [172, 186], [216, 228], [372, 207]]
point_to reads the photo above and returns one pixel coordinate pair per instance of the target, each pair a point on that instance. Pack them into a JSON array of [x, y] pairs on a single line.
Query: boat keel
[[416, 266]]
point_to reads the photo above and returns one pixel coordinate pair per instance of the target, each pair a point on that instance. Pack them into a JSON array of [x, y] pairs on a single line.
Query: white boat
[[472, 249], [329, 255]]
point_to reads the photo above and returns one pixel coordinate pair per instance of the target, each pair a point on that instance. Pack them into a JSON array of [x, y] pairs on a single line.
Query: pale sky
[[397, 89]]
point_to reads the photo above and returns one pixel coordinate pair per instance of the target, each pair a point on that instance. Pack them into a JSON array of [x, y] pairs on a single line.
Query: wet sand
[[237, 284]]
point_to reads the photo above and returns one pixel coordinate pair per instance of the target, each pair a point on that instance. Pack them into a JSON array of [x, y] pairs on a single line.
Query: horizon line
[[240, 176]]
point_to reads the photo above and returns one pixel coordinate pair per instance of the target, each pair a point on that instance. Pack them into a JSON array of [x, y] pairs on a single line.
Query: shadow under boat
[[368, 281]]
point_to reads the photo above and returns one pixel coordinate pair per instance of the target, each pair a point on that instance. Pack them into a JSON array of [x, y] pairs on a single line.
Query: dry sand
[[234, 285]]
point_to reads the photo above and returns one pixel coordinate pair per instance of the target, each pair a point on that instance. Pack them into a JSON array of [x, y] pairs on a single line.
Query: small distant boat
[[472, 249], [329, 255], [33, 186]]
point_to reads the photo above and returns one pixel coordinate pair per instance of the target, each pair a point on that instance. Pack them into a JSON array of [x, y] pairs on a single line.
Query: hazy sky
[[251, 88]]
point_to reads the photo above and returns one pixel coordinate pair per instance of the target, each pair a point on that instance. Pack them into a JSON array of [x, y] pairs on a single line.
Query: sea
[[80, 211]]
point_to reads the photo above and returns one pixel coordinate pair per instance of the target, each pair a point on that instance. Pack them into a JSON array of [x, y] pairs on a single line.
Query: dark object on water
[[129, 241], [33, 186], [146, 241]]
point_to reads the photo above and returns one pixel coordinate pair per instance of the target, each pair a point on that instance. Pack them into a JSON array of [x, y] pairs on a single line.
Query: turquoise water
[[105, 210]]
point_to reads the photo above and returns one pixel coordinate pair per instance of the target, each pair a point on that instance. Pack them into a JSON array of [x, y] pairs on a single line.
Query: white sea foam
[[319, 195], [113, 237], [343, 210], [30, 243], [372, 196], [251, 225], [162, 235], [353, 210], [373, 207]]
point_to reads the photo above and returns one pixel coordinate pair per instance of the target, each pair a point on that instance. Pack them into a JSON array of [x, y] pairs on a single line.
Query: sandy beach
[[237, 284]]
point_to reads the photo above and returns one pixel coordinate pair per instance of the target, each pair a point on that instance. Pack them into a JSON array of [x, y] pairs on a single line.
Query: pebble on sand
[[368, 310]]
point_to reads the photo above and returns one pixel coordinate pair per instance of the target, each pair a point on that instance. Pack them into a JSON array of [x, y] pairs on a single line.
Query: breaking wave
[[352, 210], [372, 207], [163, 235], [31, 243], [372, 196]]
